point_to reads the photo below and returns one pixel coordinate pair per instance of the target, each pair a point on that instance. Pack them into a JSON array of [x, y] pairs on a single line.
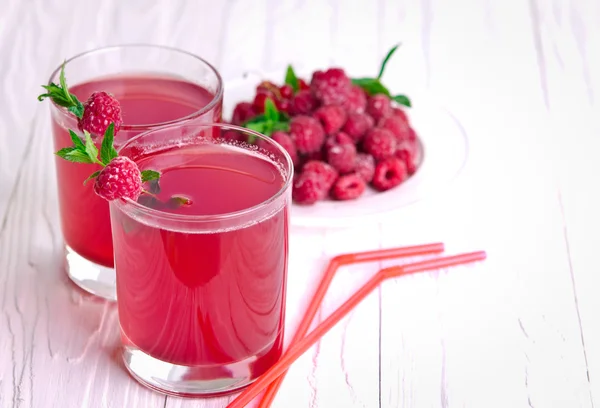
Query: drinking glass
[[156, 86], [201, 285]]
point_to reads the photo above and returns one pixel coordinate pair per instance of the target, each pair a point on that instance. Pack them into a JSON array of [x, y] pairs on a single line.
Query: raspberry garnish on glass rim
[[119, 177]]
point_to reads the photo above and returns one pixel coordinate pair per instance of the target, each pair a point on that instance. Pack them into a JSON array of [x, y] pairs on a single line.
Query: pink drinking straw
[[332, 268], [307, 342]]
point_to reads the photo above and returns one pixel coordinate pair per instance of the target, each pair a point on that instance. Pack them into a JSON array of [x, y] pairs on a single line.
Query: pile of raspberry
[[340, 139]]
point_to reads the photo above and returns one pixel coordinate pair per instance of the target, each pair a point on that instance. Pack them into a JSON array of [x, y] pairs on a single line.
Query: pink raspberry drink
[[155, 86], [201, 281]]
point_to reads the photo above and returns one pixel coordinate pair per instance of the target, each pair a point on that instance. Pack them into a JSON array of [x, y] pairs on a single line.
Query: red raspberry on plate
[[341, 156], [307, 133], [99, 111], [400, 113], [338, 138], [327, 172], [357, 125], [379, 106], [287, 143], [380, 143], [121, 178], [364, 165], [259, 101], [408, 152], [308, 188], [242, 112], [397, 126], [330, 87], [389, 173], [412, 135], [332, 117], [302, 85], [269, 88], [286, 91], [348, 187], [357, 100], [303, 103], [283, 105]]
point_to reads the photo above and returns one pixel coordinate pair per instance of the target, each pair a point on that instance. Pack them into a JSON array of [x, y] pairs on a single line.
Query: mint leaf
[[402, 100], [73, 155], [76, 109], [291, 79], [148, 175], [257, 126], [63, 84], [386, 59], [92, 176], [256, 119], [271, 112], [372, 86], [107, 150], [283, 126], [61, 96], [90, 148], [77, 141]]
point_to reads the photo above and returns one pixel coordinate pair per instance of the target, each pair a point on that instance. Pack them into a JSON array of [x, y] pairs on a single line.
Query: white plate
[[445, 148]]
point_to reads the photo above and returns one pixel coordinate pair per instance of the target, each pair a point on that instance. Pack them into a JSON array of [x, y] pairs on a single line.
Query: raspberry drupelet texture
[[397, 126], [308, 188], [388, 174], [327, 172], [242, 112], [99, 111], [121, 178], [348, 187], [380, 143], [287, 143], [332, 117], [330, 87], [364, 165], [356, 101], [379, 106], [303, 103], [357, 126], [307, 133], [341, 156], [408, 153]]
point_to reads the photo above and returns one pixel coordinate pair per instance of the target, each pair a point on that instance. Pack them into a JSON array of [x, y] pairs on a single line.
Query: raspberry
[[401, 113], [332, 118], [286, 91], [307, 133], [412, 135], [303, 103], [242, 112], [357, 125], [269, 88], [121, 178], [348, 187], [287, 143], [330, 87], [259, 101], [380, 143], [99, 111], [364, 165], [309, 187], [327, 172], [408, 152], [283, 105], [303, 85], [341, 156], [397, 126], [389, 173], [338, 138], [379, 106], [357, 100]]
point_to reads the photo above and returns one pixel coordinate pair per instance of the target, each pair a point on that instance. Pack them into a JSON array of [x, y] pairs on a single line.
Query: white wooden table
[[519, 330]]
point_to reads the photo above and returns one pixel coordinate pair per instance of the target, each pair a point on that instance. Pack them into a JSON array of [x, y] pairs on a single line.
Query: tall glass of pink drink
[[201, 287], [155, 86]]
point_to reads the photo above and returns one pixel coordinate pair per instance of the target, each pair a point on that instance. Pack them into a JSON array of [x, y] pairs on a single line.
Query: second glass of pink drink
[[155, 86], [201, 286]]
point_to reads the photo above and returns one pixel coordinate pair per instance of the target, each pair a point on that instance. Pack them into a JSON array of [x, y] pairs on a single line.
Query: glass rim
[[122, 203], [148, 127]]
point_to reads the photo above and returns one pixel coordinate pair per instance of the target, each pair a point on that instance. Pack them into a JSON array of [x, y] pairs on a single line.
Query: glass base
[[93, 278], [187, 381]]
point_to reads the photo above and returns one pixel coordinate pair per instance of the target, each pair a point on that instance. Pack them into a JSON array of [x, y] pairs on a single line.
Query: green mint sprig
[[270, 121], [373, 86], [291, 79], [61, 96]]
